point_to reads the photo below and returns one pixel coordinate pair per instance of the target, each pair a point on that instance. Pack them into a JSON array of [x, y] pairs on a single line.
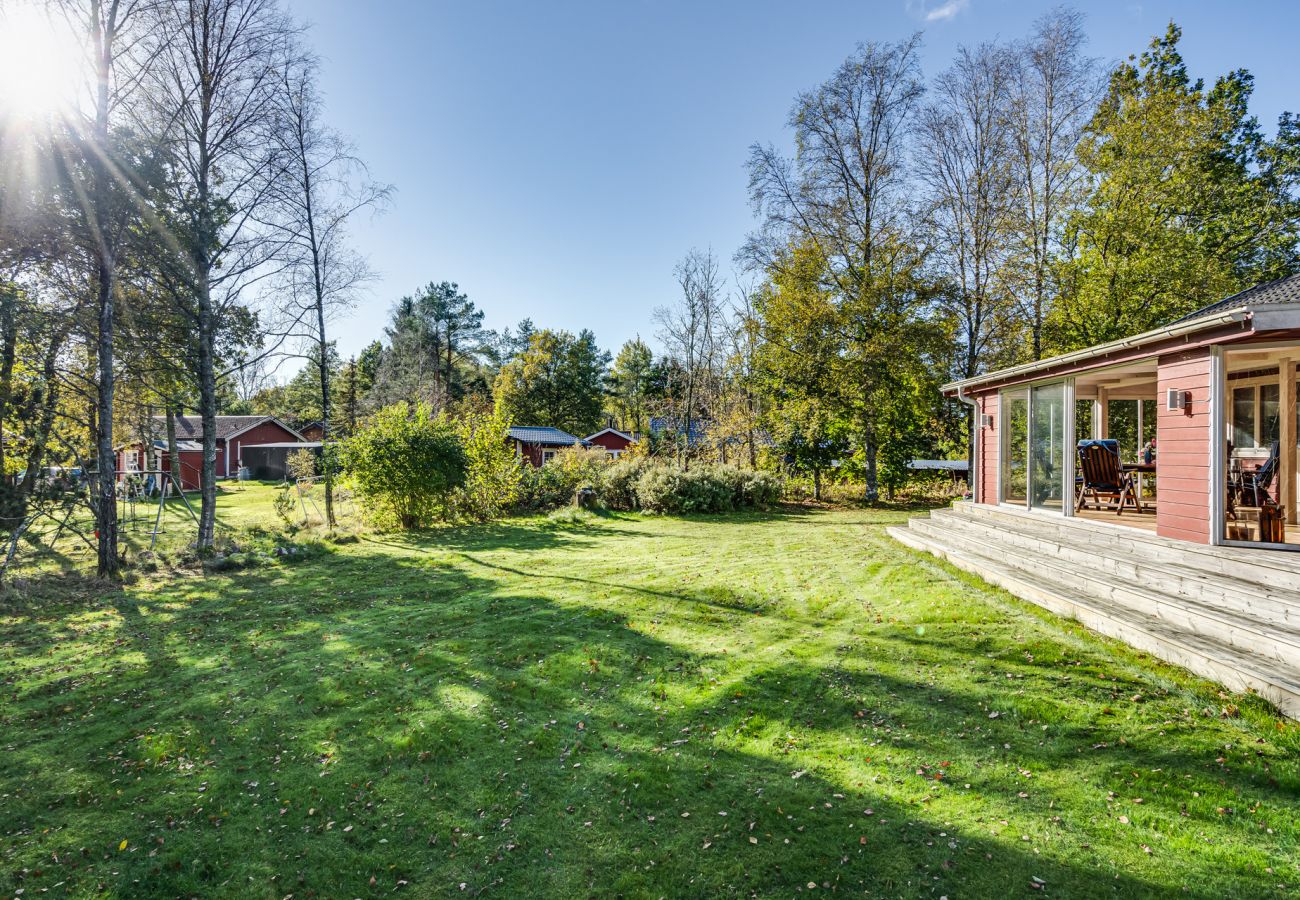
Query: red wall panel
[[1183, 441], [266, 433], [987, 439]]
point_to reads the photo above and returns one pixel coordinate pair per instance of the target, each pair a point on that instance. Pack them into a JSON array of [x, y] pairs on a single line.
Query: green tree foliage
[[833, 366], [405, 465], [1189, 201], [494, 474], [631, 382], [558, 381], [810, 438], [437, 347]]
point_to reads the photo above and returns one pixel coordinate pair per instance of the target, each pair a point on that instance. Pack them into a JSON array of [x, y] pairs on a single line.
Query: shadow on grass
[[375, 720]]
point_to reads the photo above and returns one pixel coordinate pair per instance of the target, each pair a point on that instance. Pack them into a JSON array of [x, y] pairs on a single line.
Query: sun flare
[[41, 66]]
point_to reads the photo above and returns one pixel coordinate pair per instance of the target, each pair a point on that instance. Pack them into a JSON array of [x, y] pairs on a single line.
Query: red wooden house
[[233, 434], [537, 445], [613, 440], [1145, 487]]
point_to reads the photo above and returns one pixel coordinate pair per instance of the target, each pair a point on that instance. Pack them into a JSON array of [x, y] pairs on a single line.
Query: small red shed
[[613, 440], [536, 444]]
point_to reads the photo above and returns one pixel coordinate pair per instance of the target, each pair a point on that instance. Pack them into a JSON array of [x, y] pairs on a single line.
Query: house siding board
[[1183, 438], [611, 441], [988, 446], [269, 432]]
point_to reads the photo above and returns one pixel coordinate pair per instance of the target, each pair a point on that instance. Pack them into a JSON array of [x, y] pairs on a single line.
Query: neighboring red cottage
[[613, 440], [536, 445], [233, 434]]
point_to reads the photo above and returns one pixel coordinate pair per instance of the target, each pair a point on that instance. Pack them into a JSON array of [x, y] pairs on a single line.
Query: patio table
[[1140, 470]]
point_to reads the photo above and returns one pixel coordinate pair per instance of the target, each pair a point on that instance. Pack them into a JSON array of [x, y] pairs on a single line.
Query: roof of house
[[1275, 301], [182, 446], [1283, 290], [700, 429], [939, 465], [191, 427], [543, 434]]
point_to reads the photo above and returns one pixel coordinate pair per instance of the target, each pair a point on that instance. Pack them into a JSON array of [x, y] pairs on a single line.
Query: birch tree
[[217, 94], [691, 330], [966, 162], [845, 196], [1054, 95], [122, 40], [323, 187]]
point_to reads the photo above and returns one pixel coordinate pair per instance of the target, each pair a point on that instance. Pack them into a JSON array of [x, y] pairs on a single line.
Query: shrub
[[705, 489], [302, 464], [405, 465], [285, 505], [618, 485], [555, 483], [494, 477]]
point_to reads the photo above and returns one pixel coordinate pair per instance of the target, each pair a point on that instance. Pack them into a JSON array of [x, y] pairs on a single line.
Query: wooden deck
[[1231, 614], [1145, 520]]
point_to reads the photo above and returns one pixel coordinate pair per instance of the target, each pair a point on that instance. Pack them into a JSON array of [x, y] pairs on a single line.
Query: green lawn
[[753, 704]]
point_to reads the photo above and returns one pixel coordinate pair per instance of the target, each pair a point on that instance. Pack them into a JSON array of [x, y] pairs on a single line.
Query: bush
[[554, 484], [494, 478], [301, 464], [405, 465], [705, 489], [618, 486]]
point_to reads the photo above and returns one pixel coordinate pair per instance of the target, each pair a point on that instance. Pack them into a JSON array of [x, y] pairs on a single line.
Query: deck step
[[1251, 599], [1222, 615], [1277, 569], [1278, 643]]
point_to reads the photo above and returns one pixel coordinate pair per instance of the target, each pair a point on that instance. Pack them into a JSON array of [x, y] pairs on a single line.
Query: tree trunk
[[207, 416], [8, 350], [109, 563], [49, 411], [817, 484], [871, 474], [326, 466], [173, 452]]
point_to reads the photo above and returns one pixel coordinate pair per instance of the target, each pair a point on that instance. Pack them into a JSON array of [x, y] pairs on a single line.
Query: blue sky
[[557, 158]]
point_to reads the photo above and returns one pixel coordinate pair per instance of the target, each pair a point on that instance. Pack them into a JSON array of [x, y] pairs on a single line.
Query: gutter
[[1147, 337]]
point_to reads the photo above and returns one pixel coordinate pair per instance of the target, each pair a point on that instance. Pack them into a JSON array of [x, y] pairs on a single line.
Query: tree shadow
[[413, 718]]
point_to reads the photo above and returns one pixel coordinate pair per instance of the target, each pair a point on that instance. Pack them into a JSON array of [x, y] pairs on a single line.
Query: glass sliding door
[[1047, 446], [1015, 446]]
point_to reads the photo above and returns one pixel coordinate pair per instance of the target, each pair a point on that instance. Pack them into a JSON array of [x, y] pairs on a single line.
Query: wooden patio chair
[[1103, 478], [1256, 484]]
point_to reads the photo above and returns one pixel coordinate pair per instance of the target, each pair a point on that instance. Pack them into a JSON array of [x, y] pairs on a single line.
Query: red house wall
[[987, 440], [1183, 443], [611, 441], [266, 433]]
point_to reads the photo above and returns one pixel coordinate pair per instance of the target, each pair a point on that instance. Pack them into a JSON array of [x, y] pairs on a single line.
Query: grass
[[616, 705]]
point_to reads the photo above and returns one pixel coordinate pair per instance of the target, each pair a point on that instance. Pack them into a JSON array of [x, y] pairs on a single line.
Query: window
[[547, 456], [1256, 412], [1269, 403], [1243, 418]]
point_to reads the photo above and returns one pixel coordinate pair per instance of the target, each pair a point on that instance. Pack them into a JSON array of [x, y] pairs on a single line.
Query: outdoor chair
[[1255, 485], [1104, 478]]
